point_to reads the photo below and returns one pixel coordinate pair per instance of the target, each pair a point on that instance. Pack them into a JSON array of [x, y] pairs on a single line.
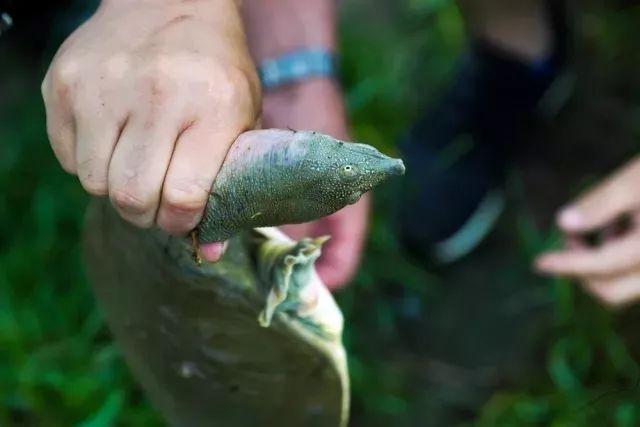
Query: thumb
[[613, 197]]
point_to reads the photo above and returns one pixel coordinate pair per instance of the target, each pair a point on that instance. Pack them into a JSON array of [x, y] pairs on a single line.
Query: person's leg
[[458, 152], [521, 27]]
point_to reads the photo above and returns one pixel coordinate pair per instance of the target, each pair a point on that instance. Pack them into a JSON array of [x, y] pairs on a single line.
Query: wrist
[[315, 104], [280, 26], [313, 85]]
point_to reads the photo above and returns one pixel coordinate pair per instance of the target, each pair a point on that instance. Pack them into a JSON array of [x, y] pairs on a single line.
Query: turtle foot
[[290, 272]]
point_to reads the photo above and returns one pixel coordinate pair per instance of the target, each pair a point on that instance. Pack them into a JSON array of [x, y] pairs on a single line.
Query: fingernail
[[212, 252], [570, 218]]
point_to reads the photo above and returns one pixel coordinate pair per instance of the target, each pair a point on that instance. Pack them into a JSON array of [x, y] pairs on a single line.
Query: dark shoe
[[458, 153]]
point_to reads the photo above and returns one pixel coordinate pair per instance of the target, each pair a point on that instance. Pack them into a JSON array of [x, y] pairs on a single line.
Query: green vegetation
[[419, 339]]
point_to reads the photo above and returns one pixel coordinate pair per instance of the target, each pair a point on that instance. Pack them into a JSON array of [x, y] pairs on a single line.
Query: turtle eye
[[348, 171]]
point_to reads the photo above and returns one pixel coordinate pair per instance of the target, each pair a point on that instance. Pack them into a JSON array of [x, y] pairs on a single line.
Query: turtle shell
[[191, 335]]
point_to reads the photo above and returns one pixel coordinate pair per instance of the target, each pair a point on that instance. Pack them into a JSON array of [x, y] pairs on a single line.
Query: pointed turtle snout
[[395, 167]]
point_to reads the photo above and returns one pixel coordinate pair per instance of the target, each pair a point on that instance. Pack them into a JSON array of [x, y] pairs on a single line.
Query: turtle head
[[345, 171]]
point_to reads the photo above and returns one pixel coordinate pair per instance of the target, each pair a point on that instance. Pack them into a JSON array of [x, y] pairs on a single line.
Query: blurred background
[[482, 342]]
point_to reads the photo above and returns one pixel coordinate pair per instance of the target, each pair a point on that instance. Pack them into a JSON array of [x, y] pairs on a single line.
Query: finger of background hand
[[615, 291], [574, 242], [138, 166], [341, 255], [615, 256], [604, 203], [297, 231], [60, 122], [339, 264], [197, 157]]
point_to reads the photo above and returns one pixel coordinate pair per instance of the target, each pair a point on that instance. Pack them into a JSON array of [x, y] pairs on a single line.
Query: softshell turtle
[[254, 339]]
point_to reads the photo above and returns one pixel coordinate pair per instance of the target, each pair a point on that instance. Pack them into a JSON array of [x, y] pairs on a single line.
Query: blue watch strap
[[297, 66]]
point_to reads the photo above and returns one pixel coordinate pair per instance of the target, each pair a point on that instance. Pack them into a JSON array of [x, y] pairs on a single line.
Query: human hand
[[144, 100], [611, 270], [317, 105]]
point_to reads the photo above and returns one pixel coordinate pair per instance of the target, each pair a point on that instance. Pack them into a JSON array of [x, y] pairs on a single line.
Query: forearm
[[278, 26]]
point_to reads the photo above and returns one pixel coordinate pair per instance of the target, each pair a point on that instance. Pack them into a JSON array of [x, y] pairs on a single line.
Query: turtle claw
[[321, 240], [195, 247], [313, 246]]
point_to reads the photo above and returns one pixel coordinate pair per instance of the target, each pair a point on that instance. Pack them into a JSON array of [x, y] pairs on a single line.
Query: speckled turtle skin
[[255, 339], [289, 177]]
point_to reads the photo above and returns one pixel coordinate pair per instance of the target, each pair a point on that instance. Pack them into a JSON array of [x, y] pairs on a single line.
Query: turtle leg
[[278, 292], [290, 269]]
